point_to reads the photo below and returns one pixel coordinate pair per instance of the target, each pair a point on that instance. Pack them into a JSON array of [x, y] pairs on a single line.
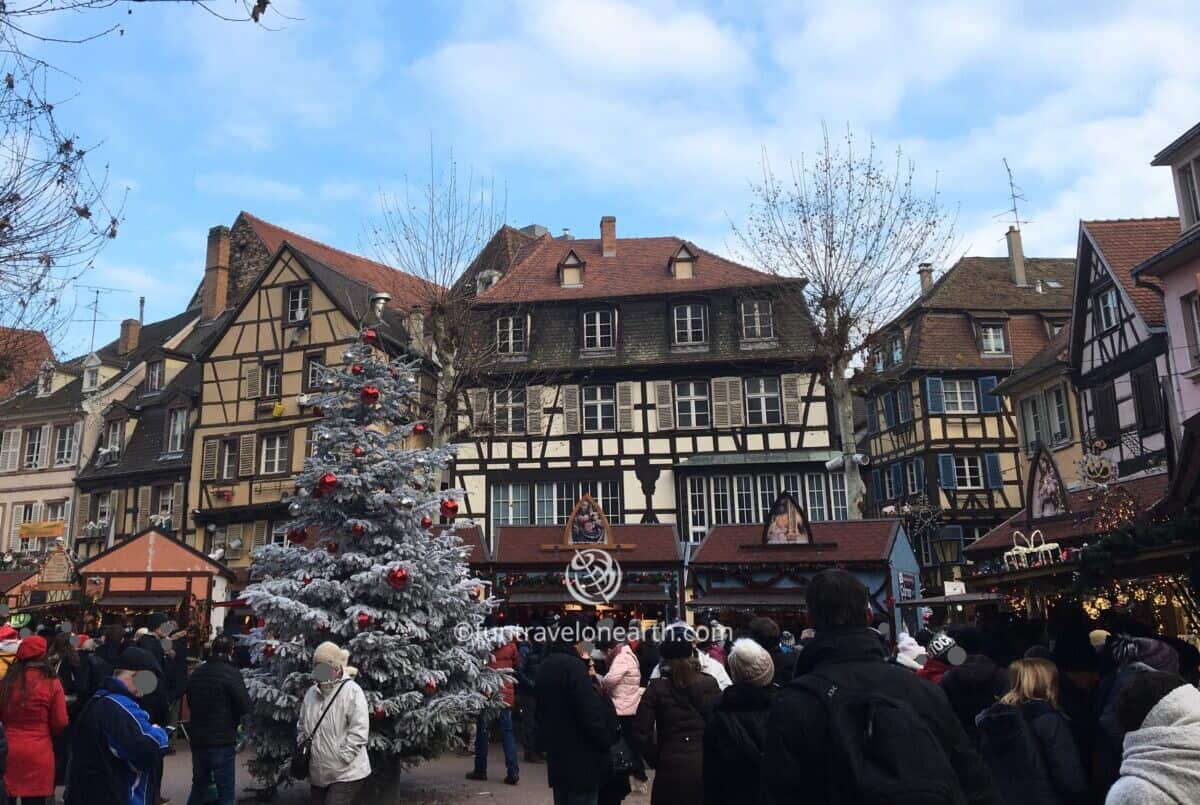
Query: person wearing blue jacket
[[117, 753]]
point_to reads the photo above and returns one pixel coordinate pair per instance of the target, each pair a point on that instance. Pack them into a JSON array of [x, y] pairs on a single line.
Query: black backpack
[[881, 752]]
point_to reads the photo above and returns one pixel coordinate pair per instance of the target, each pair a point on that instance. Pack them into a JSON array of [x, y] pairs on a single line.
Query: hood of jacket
[[976, 669], [1002, 722], [847, 645], [1165, 752]]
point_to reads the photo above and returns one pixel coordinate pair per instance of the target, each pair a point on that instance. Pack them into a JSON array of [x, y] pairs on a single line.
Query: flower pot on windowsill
[[223, 495]]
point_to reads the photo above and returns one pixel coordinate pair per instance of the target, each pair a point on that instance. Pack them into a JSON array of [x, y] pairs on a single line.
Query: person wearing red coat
[[33, 709], [505, 658]]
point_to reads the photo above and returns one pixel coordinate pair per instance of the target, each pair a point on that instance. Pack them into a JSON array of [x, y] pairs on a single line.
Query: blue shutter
[[946, 470], [898, 479], [872, 416], [995, 478], [933, 395], [988, 403], [877, 485], [889, 409], [920, 462], [904, 403]]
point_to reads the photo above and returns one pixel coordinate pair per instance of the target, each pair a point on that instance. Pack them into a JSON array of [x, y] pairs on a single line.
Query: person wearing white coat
[[1160, 764], [339, 765]]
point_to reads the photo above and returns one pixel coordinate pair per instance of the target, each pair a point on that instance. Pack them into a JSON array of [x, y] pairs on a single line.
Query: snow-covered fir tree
[[381, 579]]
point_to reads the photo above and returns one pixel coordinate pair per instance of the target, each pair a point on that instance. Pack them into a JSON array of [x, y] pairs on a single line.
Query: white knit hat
[[750, 664]]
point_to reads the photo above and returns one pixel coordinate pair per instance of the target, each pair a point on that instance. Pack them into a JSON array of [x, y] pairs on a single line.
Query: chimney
[[608, 236], [1016, 256], [141, 310], [416, 328], [130, 330], [925, 272], [216, 273]]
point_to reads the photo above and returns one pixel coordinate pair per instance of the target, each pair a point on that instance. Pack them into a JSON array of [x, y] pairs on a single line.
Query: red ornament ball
[[357, 369], [430, 687], [307, 580], [332, 547], [370, 395], [269, 650], [358, 451], [379, 713], [449, 508], [297, 535], [364, 620], [398, 578], [359, 529], [260, 622], [419, 428], [317, 411], [426, 521], [327, 482], [369, 337]]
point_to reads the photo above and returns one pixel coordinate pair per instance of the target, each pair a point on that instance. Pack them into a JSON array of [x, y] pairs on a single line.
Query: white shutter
[[68, 532], [792, 395], [143, 512], [533, 410], [570, 406], [10, 449], [77, 436], [116, 514], [246, 454], [14, 528], [208, 460], [177, 509], [732, 392], [44, 448], [480, 421], [720, 403], [625, 407], [663, 405], [260, 534], [253, 377], [82, 512]]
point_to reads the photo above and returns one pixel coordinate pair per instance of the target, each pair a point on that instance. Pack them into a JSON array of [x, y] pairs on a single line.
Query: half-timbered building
[[939, 439], [668, 383]]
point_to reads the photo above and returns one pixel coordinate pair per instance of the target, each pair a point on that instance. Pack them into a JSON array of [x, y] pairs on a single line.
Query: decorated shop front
[[742, 571], [52, 592]]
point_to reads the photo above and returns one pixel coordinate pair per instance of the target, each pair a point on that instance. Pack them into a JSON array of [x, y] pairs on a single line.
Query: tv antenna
[[95, 306], [1015, 194]]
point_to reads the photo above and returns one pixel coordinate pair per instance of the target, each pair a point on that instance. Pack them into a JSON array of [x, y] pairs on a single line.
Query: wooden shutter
[[143, 512], [83, 511], [889, 409], [934, 396], [877, 485], [570, 406], [533, 410], [792, 396], [1147, 398], [44, 452], [898, 480], [737, 408], [664, 406], [246, 454], [1104, 413], [208, 460], [921, 484], [233, 534], [904, 407], [14, 527], [720, 403], [625, 406], [260, 534], [946, 471], [10, 449], [77, 436], [116, 513], [253, 380], [989, 403], [479, 409], [872, 415], [995, 478], [177, 508]]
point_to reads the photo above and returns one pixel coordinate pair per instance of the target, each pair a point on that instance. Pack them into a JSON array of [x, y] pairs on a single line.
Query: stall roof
[[652, 543], [715, 599], [152, 551], [11, 578], [471, 536], [625, 595], [139, 601], [837, 541]]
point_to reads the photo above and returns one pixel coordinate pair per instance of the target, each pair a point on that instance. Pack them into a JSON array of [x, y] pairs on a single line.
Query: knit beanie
[[750, 664], [940, 646], [678, 642]]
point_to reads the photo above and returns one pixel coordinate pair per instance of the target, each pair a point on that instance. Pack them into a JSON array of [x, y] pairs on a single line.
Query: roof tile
[[1127, 242], [25, 351], [836, 541], [655, 543]]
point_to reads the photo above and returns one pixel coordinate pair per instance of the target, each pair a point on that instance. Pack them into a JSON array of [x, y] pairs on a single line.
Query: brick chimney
[[130, 330], [608, 236], [925, 272], [1016, 256], [216, 273]]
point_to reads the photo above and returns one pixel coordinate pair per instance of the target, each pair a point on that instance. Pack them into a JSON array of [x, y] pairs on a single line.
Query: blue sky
[[655, 112]]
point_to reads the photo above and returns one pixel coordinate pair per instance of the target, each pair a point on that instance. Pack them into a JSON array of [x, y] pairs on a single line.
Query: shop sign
[[908, 587], [42, 529]]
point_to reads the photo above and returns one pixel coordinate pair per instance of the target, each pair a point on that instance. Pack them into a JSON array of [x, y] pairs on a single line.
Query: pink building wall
[[1185, 368]]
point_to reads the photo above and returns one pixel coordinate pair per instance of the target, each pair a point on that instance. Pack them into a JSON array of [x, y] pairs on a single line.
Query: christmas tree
[[367, 568]]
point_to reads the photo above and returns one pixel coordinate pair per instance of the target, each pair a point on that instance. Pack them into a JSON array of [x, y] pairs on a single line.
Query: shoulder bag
[[302, 757]]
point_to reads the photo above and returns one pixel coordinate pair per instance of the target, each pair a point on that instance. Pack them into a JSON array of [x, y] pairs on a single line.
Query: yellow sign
[[44, 529]]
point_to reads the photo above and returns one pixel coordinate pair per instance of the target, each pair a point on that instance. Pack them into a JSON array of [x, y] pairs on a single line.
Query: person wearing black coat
[[736, 735], [1028, 744], [847, 652], [765, 632], [218, 700], [573, 732], [668, 728], [975, 684], [649, 657], [531, 651]]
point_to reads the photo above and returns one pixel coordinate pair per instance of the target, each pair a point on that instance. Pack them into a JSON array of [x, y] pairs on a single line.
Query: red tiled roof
[[406, 289], [1055, 353], [522, 545], [26, 350], [1074, 527], [947, 341], [472, 536], [1128, 242], [835, 541], [641, 267]]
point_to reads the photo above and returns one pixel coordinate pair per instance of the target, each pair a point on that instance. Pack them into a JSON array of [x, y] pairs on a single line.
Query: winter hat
[[88, 645], [909, 652], [678, 642], [32, 648], [156, 620], [750, 664], [8, 633], [136, 659], [331, 654], [940, 646], [140, 632], [1098, 637], [1157, 654]]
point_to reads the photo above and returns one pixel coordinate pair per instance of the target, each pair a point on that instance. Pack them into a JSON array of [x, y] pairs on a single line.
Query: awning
[[237, 602], [768, 457], [760, 599], [950, 600], [647, 595], [140, 601]]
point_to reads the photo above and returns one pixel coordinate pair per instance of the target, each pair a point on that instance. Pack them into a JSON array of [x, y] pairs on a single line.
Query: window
[[114, 435], [553, 501], [510, 335], [278, 533], [757, 320], [25, 513], [896, 349], [599, 329], [510, 505], [886, 490], [1059, 415], [744, 498], [102, 511], [33, 448], [837, 491], [274, 454], [1147, 398], [164, 497], [815, 482], [91, 379], [878, 360], [968, 472], [64, 445], [177, 420], [229, 459], [55, 511], [607, 494], [722, 506], [1106, 308], [697, 509], [762, 401], [314, 373], [509, 407], [599, 409], [792, 486], [767, 492], [904, 405], [691, 404], [1104, 413], [154, 376], [689, 324], [1189, 195], [959, 396], [991, 338], [1192, 306], [1034, 420], [271, 380], [298, 299], [912, 475]]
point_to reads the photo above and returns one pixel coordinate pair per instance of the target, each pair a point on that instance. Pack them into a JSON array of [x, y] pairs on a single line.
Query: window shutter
[[246, 454], [73, 456], [625, 407], [479, 409], [720, 403], [570, 406], [1147, 398], [533, 410], [889, 409], [143, 504], [995, 478], [208, 460], [792, 396], [877, 484], [14, 528], [904, 408], [920, 463], [1104, 413], [946, 471], [1188, 305], [663, 405], [872, 416], [177, 508], [253, 378], [83, 511], [233, 536], [10, 449], [989, 403], [44, 449], [737, 410], [116, 517], [260, 534], [935, 400], [898, 479]]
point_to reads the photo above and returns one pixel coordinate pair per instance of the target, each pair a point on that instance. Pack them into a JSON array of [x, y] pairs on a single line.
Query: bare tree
[[854, 227]]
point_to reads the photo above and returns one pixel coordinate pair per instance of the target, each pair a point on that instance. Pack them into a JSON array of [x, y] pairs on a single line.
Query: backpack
[[881, 751]]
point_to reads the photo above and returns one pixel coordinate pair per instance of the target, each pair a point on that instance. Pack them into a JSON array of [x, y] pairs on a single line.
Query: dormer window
[[299, 301], [510, 335], [991, 339], [486, 280], [691, 324], [758, 322], [570, 271], [154, 376], [600, 329], [896, 349], [114, 435], [91, 379], [45, 380], [683, 264], [177, 420], [878, 359], [1106, 308]]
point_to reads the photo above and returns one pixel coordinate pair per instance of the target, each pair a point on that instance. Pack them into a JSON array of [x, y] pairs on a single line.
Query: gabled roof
[[641, 267], [833, 542], [1056, 353], [655, 543], [152, 551], [1165, 156], [23, 352], [1124, 244], [985, 283]]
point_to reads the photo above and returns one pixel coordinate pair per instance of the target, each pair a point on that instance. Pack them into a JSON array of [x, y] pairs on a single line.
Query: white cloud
[[247, 186]]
